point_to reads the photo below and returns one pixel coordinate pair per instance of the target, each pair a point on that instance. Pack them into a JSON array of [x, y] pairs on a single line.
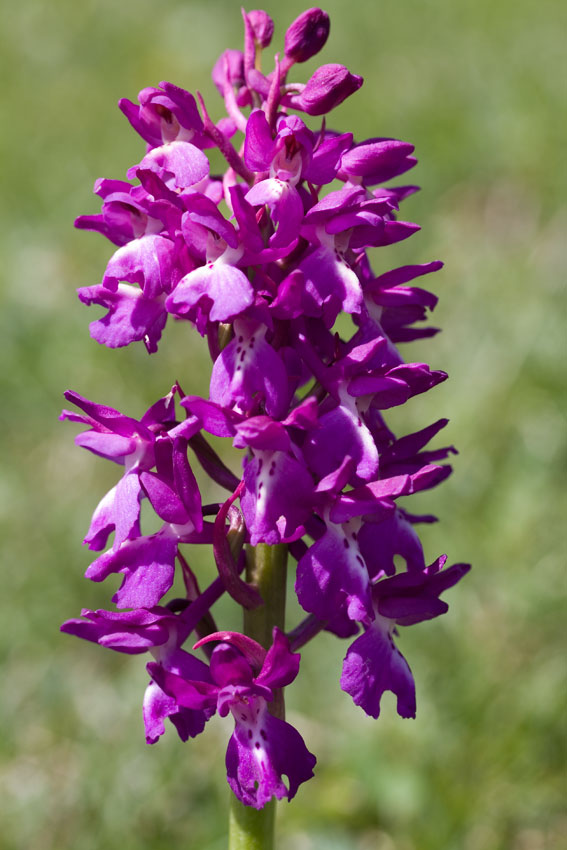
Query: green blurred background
[[479, 88]]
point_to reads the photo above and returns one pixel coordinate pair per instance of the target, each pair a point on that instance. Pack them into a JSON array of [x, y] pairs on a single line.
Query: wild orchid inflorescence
[[262, 260]]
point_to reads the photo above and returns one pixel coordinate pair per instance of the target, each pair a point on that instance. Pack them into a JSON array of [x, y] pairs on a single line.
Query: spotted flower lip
[[269, 261], [373, 664]]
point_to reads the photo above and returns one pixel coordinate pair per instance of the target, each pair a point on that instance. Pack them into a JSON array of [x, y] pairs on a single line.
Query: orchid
[[261, 261]]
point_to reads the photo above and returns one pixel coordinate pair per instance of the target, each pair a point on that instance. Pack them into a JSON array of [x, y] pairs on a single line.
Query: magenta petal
[[368, 498], [229, 667], [252, 651], [131, 316], [259, 755], [107, 417], [336, 480], [131, 632], [259, 144], [288, 303], [334, 202], [110, 446], [397, 231], [278, 497], [180, 160], [332, 577], [187, 113], [201, 210], [404, 274], [326, 159], [244, 213], [326, 88], [164, 500], [186, 483], [198, 695], [126, 508], [262, 26], [156, 707], [262, 432], [412, 597], [342, 432], [372, 665], [102, 522], [329, 280], [410, 610], [224, 288], [280, 666], [147, 564], [373, 156], [285, 205], [93, 631], [214, 418], [386, 391], [381, 542], [147, 261], [307, 35], [249, 366]]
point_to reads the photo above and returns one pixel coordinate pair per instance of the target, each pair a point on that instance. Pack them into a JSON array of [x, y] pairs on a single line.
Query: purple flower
[[128, 212], [242, 679], [160, 632], [165, 114], [373, 663], [139, 446], [263, 259]]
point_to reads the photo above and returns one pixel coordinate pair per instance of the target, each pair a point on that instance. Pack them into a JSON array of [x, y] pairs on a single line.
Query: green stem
[[249, 828]]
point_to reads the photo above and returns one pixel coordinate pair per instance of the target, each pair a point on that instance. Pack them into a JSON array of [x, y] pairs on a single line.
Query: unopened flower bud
[[329, 86], [262, 26], [228, 70], [307, 35]]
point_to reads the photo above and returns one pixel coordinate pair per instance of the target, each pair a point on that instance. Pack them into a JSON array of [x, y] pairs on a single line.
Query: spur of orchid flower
[[262, 260]]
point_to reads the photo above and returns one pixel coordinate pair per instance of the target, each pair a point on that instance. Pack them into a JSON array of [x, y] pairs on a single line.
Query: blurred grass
[[480, 89]]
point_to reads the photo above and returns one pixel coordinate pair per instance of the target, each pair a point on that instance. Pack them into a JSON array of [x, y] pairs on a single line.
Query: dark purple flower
[[242, 680], [373, 663]]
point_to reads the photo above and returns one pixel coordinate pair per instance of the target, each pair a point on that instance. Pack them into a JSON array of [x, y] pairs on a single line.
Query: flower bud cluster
[[262, 260]]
